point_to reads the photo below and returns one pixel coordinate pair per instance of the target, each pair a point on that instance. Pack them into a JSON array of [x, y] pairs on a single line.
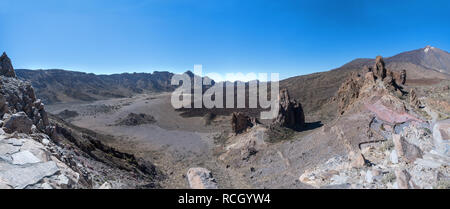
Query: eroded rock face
[[349, 91], [291, 113], [19, 96], [201, 178], [6, 68], [379, 68], [241, 122]]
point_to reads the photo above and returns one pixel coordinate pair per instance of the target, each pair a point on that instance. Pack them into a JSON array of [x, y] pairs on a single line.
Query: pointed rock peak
[[379, 67], [6, 68]]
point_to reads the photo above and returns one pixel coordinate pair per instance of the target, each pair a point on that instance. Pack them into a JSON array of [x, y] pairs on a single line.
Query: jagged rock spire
[[6, 68], [291, 113], [379, 68]]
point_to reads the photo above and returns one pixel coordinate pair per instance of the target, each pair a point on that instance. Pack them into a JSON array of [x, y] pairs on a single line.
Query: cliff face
[[40, 151]]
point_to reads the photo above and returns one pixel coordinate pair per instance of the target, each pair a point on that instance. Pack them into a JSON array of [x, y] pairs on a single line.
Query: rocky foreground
[[39, 151], [384, 137]]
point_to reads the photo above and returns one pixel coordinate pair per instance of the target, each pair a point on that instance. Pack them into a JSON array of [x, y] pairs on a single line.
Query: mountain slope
[[424, 66], [54, 86]]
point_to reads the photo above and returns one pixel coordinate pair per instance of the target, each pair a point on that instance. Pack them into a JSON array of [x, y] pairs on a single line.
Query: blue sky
[[289, 37]]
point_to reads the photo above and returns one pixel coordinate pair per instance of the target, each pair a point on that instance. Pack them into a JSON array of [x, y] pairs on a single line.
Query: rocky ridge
[[40, 151], [398, 150]]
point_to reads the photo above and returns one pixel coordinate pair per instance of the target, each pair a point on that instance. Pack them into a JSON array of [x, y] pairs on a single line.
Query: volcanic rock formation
[[6, 68], [291, 113], [350, 90], [241, 122]]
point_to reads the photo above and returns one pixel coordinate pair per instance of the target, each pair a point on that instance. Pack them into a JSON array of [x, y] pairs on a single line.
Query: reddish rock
[[390, 114]]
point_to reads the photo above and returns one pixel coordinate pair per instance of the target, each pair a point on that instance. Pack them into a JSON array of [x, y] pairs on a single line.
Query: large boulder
[[290, 113], [201, 178], [18, 122], [6, 68]]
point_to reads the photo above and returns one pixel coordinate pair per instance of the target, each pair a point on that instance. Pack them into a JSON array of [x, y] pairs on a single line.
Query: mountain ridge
[[53, 86]]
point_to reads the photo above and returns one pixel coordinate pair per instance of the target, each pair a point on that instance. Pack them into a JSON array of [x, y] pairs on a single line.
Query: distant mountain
[[429, 58], [54, 86]]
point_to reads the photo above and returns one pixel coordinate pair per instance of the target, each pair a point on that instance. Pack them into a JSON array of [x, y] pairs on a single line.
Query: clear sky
[[289, 37]]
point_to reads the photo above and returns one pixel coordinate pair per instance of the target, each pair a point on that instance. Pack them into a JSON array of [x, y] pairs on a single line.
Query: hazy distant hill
[[64, 86]]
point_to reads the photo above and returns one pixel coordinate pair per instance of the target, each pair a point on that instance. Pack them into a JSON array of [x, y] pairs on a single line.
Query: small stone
[[45, 141], [46, 186], [369, 177], [394, 157], [63, 180], [106, 185]]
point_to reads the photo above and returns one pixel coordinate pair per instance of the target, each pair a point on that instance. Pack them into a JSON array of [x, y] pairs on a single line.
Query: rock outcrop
[[18, 122], [291, 113], [413, 100], [134, 119], [241, 122], [6, 68], [201, 178], [19, 96], [351, 89], [379, 68]]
